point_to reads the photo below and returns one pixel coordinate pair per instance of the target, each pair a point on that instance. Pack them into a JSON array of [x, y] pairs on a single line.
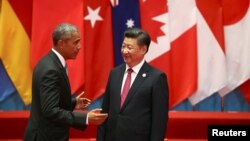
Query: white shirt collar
[[137, 67], [62, 60]]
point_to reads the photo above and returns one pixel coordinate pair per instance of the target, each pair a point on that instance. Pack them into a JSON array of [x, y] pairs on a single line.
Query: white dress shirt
[[135, 69]]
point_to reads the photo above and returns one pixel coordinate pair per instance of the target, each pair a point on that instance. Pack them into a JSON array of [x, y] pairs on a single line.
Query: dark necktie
[[126, 87]]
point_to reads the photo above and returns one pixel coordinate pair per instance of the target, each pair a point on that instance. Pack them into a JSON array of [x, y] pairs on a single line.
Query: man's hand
[[96, 117], [82, 102]]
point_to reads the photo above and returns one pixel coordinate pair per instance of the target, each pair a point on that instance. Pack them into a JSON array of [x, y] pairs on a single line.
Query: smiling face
[[132, 53], [69, 47]]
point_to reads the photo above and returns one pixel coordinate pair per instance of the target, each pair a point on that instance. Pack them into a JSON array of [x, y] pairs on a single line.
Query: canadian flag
[[173, 48]]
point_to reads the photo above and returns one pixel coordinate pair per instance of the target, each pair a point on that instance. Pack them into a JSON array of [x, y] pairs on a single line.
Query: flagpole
[[222, 104], [193, 107]]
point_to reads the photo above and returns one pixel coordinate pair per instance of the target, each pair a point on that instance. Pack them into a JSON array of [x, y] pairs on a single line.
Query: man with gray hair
[[52, 104]]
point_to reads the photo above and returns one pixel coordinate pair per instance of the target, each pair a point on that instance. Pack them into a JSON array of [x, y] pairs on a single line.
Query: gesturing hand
[[82, 102]]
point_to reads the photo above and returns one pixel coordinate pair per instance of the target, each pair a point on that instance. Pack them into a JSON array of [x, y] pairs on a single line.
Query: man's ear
[[59, 42], [144, 49]]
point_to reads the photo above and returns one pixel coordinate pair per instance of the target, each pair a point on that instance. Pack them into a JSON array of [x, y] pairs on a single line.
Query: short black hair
[[142, 36], [63, 31]]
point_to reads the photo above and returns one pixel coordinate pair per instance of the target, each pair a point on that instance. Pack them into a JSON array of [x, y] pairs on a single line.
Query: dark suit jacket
[[51, 113], [144, 114]]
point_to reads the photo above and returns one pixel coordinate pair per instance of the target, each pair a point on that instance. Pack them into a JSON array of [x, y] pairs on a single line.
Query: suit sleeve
[[73, 101], [102, 129], [159, 109], [51, 108]]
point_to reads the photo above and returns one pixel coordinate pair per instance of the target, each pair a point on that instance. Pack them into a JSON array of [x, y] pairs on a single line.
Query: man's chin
[[72, 58], [125, 61]]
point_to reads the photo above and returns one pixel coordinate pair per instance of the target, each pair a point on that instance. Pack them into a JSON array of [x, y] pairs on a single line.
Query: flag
[[245, 89], [121, 20], [15, 47], [237, 44], [212, 72], [98, 44], [47, 15], [6, 87], [183, 52], [155, 20], [153, 17]]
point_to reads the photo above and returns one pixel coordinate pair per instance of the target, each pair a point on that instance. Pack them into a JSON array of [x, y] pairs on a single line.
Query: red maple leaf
[[148, 10]]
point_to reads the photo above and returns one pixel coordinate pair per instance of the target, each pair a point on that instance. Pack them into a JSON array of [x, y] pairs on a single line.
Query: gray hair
[[63, 31]]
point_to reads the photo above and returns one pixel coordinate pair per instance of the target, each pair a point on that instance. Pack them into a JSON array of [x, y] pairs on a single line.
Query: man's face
[[71, 46], [132, 53]]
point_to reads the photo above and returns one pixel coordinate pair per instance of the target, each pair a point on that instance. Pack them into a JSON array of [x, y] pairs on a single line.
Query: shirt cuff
[[87, 119]]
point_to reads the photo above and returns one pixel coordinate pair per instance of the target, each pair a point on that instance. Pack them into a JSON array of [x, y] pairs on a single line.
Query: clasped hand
[[94, 116]]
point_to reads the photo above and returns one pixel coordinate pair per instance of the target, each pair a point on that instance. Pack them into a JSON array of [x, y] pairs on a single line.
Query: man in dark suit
[[52, 104], [142, 115]]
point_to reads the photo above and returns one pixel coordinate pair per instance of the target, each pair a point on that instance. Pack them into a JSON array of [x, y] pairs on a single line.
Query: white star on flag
[[130, 23], [93, 16]]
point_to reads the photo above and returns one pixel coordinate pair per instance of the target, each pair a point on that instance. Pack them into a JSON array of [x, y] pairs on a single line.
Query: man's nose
[[125, 50]]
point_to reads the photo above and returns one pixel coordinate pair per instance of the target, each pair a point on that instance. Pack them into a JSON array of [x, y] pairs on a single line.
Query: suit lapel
[[61, 68], [141, 76]]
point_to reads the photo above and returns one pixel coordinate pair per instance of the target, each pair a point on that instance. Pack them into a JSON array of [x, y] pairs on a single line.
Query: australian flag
[[125, 14]]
